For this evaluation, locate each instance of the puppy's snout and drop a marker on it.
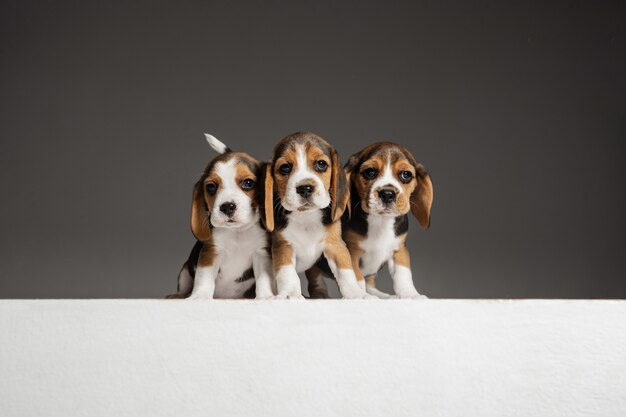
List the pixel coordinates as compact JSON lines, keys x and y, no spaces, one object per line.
{"x":305,"y":190}
{"x":228,"y":208}
{"x":387,"y":195}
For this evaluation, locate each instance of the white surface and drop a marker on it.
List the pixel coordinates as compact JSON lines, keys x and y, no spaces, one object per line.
{"x":306,"y":358}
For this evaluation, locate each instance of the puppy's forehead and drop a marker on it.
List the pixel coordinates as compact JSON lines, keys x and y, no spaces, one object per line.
{"x":237,"y":159}
{"x":386,"y":152}
{"x":306,"y":140}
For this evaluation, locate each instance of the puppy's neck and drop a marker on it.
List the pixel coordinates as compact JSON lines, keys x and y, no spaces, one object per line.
{"x":305,"y":217}
{"x":236,"y":231}
{"x":284,"y":217}
{"x":364,"y":223}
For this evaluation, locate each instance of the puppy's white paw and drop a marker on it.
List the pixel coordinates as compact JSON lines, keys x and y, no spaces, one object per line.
{"x":379,"y":294}
{"x":358,"y":295}
{"x":264,"y":297}
{"x":389,"y":297}
{"x":289,"y":296}
{"x":200,"y":296}
{"x":411,"y":297}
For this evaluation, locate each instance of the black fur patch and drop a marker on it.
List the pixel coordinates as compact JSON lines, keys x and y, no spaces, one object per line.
{"x":401,"y":225}
{"x":322,"y":264}
{"x":192,"y":261}
{"x":358,"y":219}
{"x":250,"y":292}
{"x":280,"y":215}
{"x":247,"y":274}
{"x":327,"y":215}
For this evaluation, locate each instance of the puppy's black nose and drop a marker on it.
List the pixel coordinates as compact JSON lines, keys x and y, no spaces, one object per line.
{"x":305,"y":190}
{"x":387,"y":195}
{"x":228,"y":208}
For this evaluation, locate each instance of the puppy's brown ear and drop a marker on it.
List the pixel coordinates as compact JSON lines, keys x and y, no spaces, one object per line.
{"x":349,"y":170}
{"x":200,"y":217}
{"x":268,"y":194}
{"x":422,"y":196}
{"x":339,"y":190}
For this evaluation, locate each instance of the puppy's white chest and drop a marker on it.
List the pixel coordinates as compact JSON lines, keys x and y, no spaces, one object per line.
{"x":236,"y":250}
{"x":379,"y":245}
{"x":305,"y":232}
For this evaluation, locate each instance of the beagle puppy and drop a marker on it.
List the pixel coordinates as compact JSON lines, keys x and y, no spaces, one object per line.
{"x":305,"y":196}
{"x":231,"y":257}
{"x":386,"y":182}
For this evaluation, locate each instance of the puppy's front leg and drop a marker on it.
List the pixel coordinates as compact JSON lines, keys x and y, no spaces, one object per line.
{"x":317,"y":286}
{"x":206,"y":273}
{"x":340,"y":263}
{"x":400,"y":270}
{"x":204,"y":284}
{"x":287,"y":279}
{"x":370,"y":287}
{"x":264,"y":275}
{"x":368,"y":282}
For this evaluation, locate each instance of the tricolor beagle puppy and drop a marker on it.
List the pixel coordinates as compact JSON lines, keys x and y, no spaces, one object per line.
{"x":231,"y":258}
{"x":305,"y":196}
{"x":385,"y":183}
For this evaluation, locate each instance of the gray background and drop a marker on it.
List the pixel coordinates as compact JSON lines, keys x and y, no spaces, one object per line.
{"x":518,"y":111}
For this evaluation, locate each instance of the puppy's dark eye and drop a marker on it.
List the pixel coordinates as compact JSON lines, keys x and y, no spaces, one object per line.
{"x":247,"y":184}
{"x":284,"y":169}
{"x":211,"y":188}
{"x":369,"y":173}
{"x":320,"y":165}
{"x":406,"y":176}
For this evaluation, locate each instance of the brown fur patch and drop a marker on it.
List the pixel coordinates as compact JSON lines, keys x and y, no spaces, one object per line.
{"x":335,"y":248}
{"x":353,"y":241}
{"x":200,"y":217}
{"x":282,"y":252}
{"x":402,"y":256}
{"x":370,"y":281}
{"x":207,"y":255}
{"x":280,"y":181}
{"x":268,"y":204}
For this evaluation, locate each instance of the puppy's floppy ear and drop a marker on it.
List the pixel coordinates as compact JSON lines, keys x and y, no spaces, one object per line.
{"x":339,"y":190}
{"x":268,"y":197}
{"x":352,"y":163}
{"x":349,"y":171}
{"x":422,"y":196}
{"x":200,"y":217}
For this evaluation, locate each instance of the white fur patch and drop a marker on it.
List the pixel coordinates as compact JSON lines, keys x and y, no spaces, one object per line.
{"x":348,"y":285}
{"x":379,"y":244}
{"x":264,"y":278}
{"x":217,"y":145}
{"x":378,"y":247}
{"x":403,"y":282}
{"x":288,"y":283}
{"x":386,"y":180}
{"x":237,"y":250}
{"x":305,"y":232}
{"x":204,"y":284}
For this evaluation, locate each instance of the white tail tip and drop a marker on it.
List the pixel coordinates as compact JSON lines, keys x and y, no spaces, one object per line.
{"x":216,"y":144}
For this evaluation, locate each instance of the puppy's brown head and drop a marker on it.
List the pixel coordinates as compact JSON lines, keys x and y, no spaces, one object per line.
{"x":304,"y":174}
{"x":227,"y":194}
{"x":388,"y":181}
